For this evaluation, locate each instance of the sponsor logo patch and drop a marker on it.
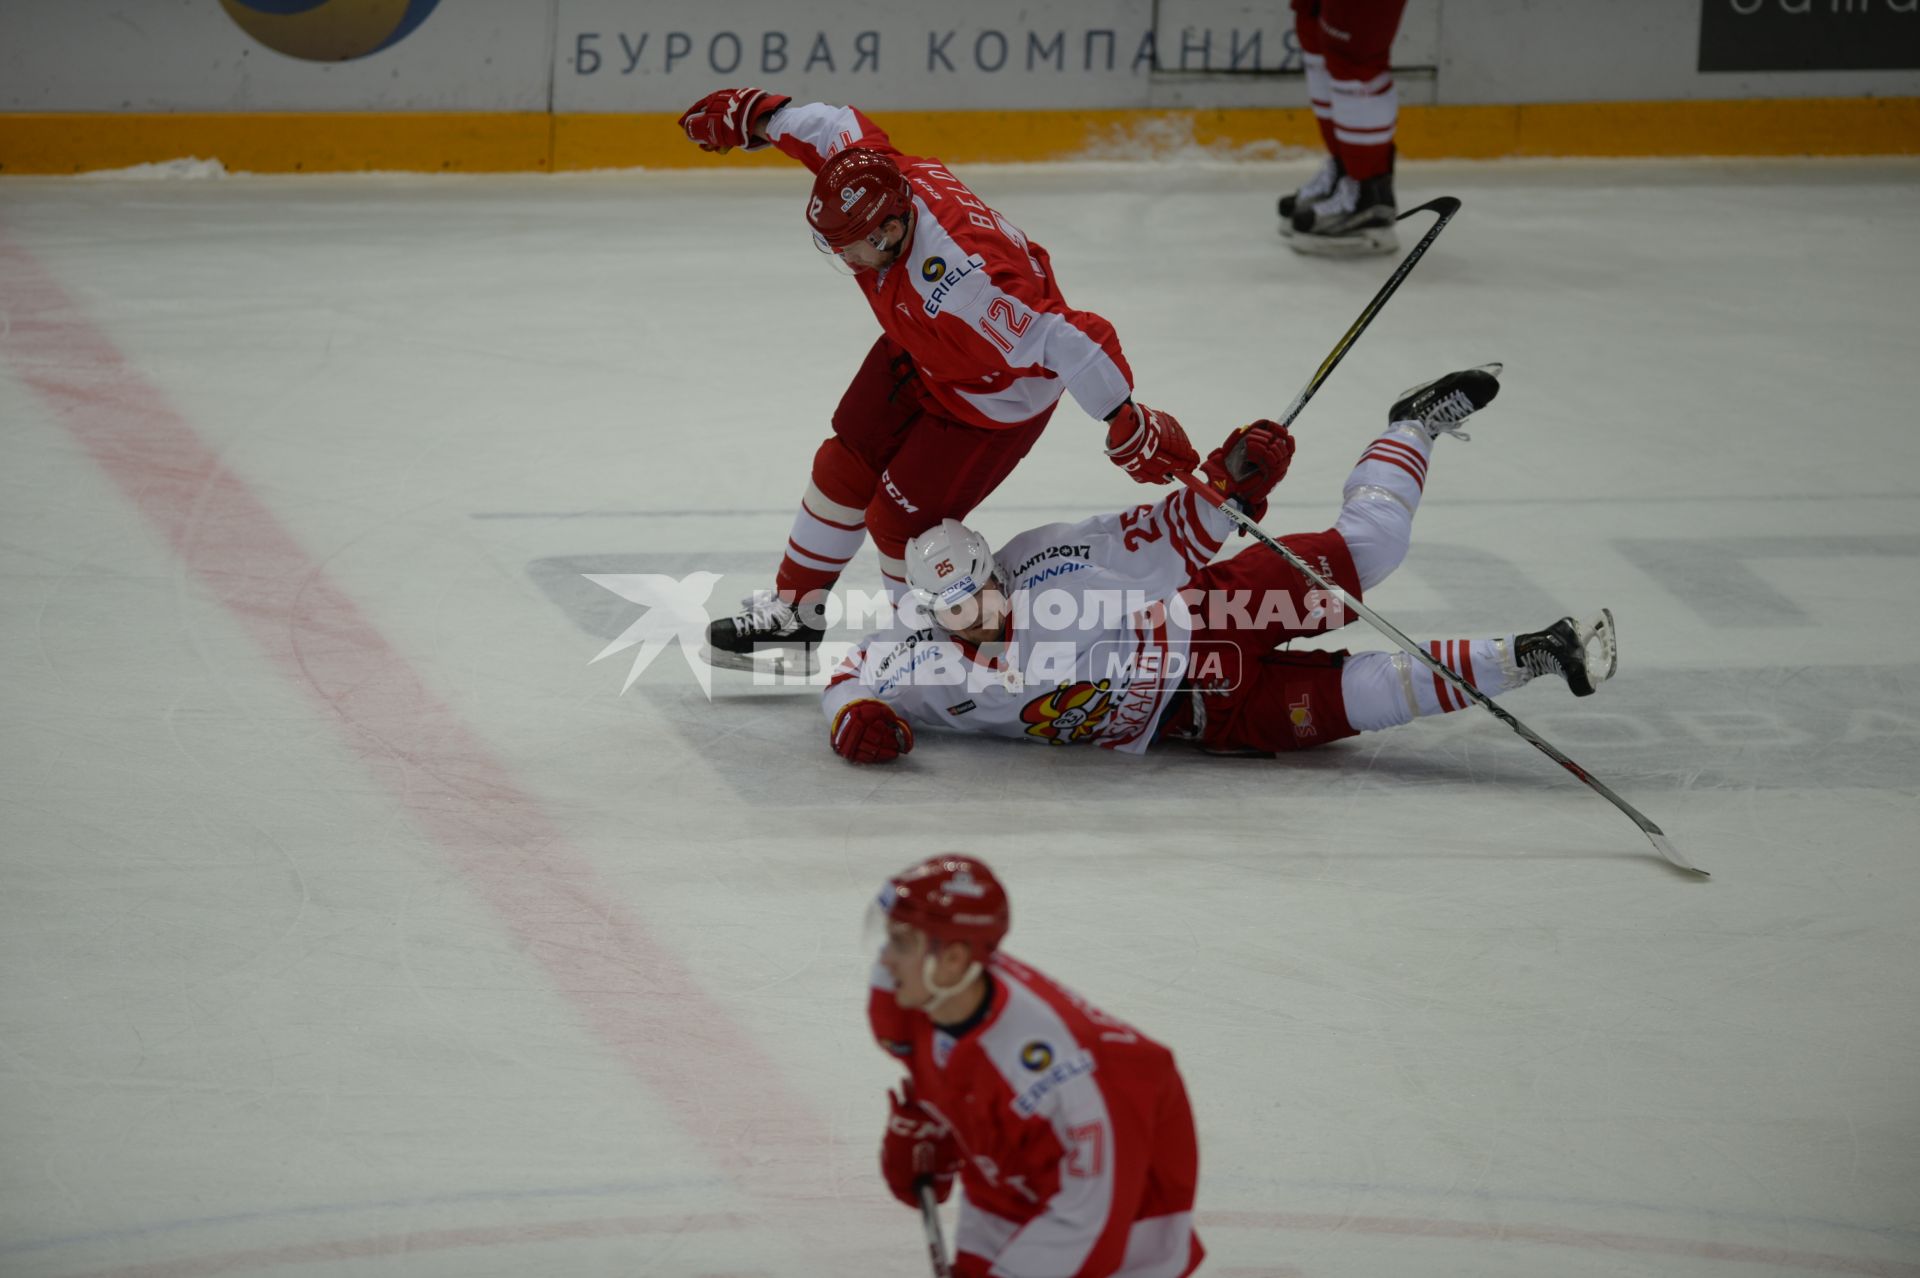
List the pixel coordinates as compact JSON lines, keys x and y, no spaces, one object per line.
{"x":948,"y":279}
{"x":1301,"y":714}
{"x":954,"y":592}
{"x":1027,"y":1103}
{"x":1036,"y":1056}
{"x":933,"y":268}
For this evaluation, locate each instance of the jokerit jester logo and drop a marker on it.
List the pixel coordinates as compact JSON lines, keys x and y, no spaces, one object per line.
{"x":328,"y":30}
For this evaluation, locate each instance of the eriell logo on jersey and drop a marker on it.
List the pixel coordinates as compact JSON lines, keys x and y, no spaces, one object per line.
{"x":947,"y":279}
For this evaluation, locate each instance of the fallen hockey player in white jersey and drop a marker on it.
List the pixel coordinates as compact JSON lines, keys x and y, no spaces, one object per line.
{"x":1117,"y":631}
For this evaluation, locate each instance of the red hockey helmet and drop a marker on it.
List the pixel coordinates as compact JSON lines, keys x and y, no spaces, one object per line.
{"x":856,"y":191}
{"x":950,"y":898}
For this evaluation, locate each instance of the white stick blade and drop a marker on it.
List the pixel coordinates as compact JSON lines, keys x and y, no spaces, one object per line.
{"x":1673,"y":856}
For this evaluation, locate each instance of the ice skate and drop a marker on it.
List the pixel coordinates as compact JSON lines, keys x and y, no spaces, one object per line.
{"x":1312,"y":191}
{"x":1584,"y":654}
{"x":1354,"y":220}
{"x":1439,"y":406}
{"x":769,"y":635}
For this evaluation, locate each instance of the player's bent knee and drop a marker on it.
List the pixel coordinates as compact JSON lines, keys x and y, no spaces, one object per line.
{"x":1378,"y":530}
{"x":842,"y":474}
{"x":1375,"y":691}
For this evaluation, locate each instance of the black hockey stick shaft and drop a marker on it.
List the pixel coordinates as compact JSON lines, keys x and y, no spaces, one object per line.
{"x":1654,"y":833}
{"x":1446,"y":206}
{"x":930,"y":1219}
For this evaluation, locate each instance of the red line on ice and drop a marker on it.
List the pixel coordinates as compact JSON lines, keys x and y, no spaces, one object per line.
{"x":426,"y":1240}
{"x":638,"y":997}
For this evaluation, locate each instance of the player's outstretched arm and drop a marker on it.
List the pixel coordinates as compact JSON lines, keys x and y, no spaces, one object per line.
{"x":751,"y":119}
{"x":1158,"y":548}
{"x":729,"y":118}
{"x":862,"y":725}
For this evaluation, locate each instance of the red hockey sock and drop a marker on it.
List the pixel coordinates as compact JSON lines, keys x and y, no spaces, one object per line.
{"x":831,"y":524}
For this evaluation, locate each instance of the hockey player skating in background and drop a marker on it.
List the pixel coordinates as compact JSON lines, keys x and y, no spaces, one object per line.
{"x":1069,"y":1130}
{"x":1117,"y":632}
{"x":977,"y":346}
{"x":1347,"y":208}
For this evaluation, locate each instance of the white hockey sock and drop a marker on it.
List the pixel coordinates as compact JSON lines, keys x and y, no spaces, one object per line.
{"x":1319,"y":85}
{"x":1364,"y":115}
{"x":1387,"y":689}
{"x":825,"y":534}
{"x":1379,"y":498}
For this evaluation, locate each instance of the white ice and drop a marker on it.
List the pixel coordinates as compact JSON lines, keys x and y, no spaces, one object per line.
{"x":354,"y":923}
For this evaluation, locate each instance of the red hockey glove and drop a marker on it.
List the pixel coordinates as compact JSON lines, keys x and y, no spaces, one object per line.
{"x":868,"y":731}
{"x":1149,"y":444}
{"x":918,"y":1146}
{"x":1249,"y":464}
{"x":723,"y":120}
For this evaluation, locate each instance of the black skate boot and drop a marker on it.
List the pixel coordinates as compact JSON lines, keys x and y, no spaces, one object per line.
{"x":1312,"y":191}
{"x":1439,"y":406}
{"x":769,"y":635}
{"x":1355,"y":219}
{"x":1585,"y":655}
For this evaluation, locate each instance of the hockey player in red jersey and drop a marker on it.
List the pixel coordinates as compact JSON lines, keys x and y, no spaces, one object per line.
{"x":977,"y":345}
{"x":1068,"y":1129}
{"x":1347,"y":208}
{"x":1117,"y":631}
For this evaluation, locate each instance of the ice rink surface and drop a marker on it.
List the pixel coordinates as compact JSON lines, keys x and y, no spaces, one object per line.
{"x":355,"y":924}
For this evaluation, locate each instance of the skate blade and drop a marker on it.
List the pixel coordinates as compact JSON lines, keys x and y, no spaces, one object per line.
{"x":780,"y":663}
{"x":1371,"y":242}
{"x":1602,"y":647}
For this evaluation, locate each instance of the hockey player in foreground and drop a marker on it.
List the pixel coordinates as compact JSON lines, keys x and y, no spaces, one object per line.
{"x":977,"y":345}
{"x":1116,"y":631}
{"x":1069,"y":1130}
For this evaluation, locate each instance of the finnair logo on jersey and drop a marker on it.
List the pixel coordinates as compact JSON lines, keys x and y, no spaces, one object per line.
{"x":675,"y":613}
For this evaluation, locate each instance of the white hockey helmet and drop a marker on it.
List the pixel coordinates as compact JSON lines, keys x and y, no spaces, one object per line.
{"x":948,"y":564}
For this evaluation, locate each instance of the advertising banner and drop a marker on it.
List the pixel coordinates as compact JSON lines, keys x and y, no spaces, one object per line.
{"x":1809,"y":35}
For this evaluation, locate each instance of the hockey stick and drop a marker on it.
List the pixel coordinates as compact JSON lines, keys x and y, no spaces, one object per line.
{"x":1653,"y":832}
{"x":930,"y":1218}
{"x":1446,"y":206}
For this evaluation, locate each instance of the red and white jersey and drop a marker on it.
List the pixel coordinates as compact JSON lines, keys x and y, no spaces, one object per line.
{"x":1097,"y":646}
{"x":1077,"y":1142}
{"x":971,"y":298}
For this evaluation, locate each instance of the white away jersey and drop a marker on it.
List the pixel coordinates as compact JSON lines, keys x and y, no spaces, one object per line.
{"x":1097,"y":647}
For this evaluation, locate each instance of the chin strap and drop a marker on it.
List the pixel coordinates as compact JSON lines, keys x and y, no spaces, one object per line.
{"x":941,"y":993}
